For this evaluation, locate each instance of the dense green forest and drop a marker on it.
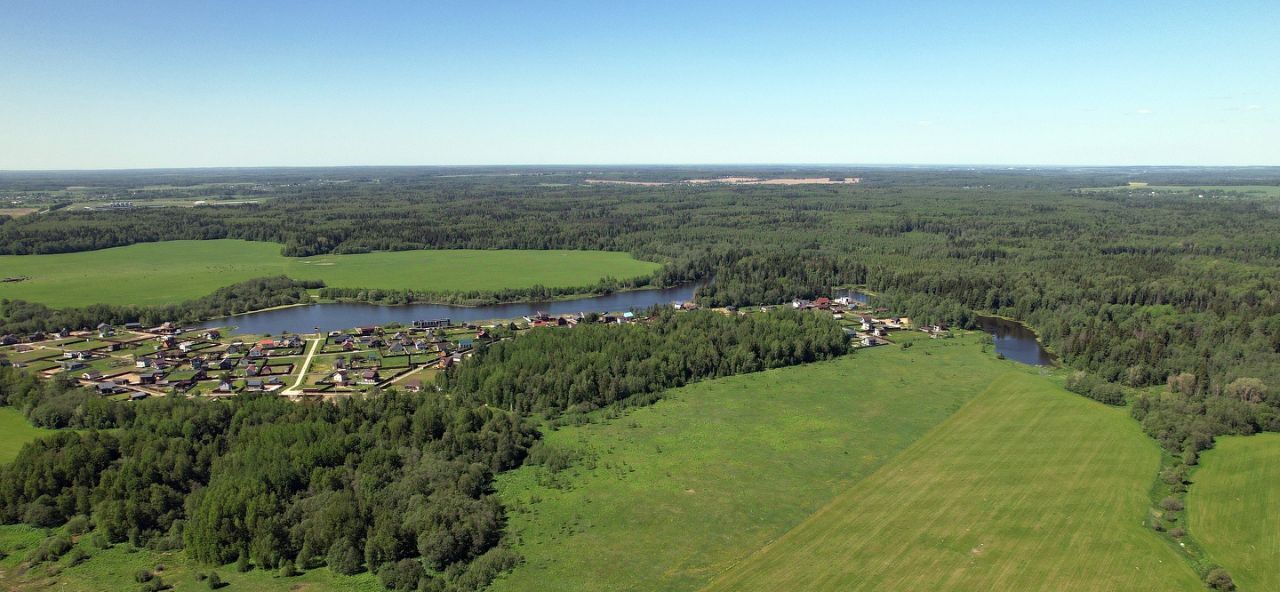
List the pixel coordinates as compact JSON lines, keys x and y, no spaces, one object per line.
{"x":550,"y":371}
{"x":397,"y":484}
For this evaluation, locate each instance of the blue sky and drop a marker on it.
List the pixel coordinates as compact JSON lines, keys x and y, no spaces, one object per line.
{"x":168,"y":84}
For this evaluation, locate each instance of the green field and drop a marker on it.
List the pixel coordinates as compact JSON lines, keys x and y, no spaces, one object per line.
{"x":170,"y":272}
{"x":1028,"y":487}
{"x":686,"y":488}
{"x":14,"y":432}
{"x":114,"y":569}
{"x":1232,"y":508}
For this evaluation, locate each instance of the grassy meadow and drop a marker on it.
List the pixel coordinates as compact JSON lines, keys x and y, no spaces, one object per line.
{"x":115,"y":569}
{"x":1231,"y":508}
{"x":1028,"y":487}
{"x":174,"y":271}
{"x":670,"y":495}
{"x":15,"y":431}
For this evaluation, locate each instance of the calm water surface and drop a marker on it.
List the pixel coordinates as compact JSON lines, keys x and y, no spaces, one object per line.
{"x":343,"y":315}
{"x":1015,"y":341}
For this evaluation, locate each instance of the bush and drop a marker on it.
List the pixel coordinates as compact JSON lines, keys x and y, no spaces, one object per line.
{"x":1219,"y":579}
{"x":242,"y":563}
{"x":143,"y":576}
{"x":288,"y":570}
{"x":214,"y":581}
{"x":51,"y":549}
{"x":76,"y":557}
{"x":1178,"y":533}
{"x":78,"y":524}
{"x":100,"y":541}
{"x":1106,"y":392}
{"x":1171,"y":504}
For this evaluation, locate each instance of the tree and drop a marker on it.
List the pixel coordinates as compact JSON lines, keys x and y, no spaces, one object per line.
{"x":343,"y":557}
{"x":1249,"y":390}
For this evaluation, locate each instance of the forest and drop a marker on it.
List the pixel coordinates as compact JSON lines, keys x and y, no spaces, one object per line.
{"x":396,"y":484}
{"x":550,"y":371}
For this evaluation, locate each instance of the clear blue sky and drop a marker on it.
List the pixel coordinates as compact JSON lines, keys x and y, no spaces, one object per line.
{"x":166,"y":84}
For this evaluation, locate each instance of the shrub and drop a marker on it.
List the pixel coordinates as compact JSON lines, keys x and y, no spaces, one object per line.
{"x":76,"y":557}
{"x":1178,"y":533}
{"x":51,"y":549}
{"x":214,"y":581}
{"x":1106,"y":392}
{"x":143,"y":576}
{"x":288,"y":570}
{"x":1219,"y":579}
{"x":242,"y":563}
{"x":1171,"y":504}
{"x":78,"y":524}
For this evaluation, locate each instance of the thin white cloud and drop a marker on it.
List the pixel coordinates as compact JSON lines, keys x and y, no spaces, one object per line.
{"x":1143,"y":111}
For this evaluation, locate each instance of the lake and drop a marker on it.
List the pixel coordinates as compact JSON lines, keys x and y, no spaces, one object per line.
{"x":1016,"y":341}
{"x":345,"y":315}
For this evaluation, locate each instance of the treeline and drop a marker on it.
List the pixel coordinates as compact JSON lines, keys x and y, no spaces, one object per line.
{"x":552,"y":371}
{"x":397,"y":484}
{"x":20,"y":316}
{"x":536,"y":293}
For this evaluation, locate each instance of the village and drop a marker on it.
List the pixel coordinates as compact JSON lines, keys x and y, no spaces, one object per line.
{"x":132,"y":362}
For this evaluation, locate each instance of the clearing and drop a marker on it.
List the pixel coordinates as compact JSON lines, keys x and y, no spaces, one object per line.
{"x":175,"y":271}
{"x":15,"y":431}
{"x":115,"y":568}
{"x":1028,"y":487}
{"x":671,"y":494}
{"x":1231,"y":508}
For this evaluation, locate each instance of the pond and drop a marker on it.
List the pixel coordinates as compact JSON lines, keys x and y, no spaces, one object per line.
{"x":344,"y":315}
{"x":1016,"y":341}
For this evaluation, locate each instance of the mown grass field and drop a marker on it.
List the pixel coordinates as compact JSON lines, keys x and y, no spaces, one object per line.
{"x":115,"y":568}
{"x":14,"y":432}
{"x":1232,"y":508}
{"x":680,"y":491}
{"x":174,"y":271}
{"x":1028,"y":487}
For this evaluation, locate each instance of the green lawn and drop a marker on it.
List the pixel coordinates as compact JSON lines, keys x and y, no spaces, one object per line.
{"x":168,"y":272}
{"x":1028,"y":487}
{"x":1232,"y":508}
{"x":682,"y":490}
{"x":14,"y":432}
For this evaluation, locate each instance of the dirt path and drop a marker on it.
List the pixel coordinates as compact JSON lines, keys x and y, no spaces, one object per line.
{"x":314,"y":345}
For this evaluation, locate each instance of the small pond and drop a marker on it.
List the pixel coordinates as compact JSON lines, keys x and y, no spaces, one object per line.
{"x":1016,"y":341}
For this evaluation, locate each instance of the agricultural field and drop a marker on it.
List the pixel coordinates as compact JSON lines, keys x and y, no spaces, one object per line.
{"x":1231,"y":508}
{"x":666,"y":497}
{"x":175,"y":271}
{"x":15,"y":431}
{"x":1028,"y":487}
